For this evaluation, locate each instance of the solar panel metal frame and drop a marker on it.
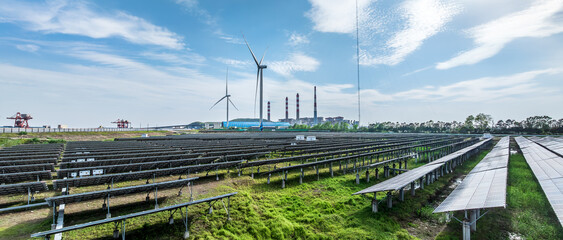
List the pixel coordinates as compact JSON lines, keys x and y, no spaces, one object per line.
{"x":132,"y":215}
{"x":406,"y":178}
{"x":87,"y":196}
{"x":117,"y":177}
{"x":24,"y":176}
{"x":107,"y":169}
{"x":18,"y":188}
{"x":27,"y":168}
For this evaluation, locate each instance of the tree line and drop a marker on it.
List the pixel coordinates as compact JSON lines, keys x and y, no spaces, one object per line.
{"x":480,"y":123}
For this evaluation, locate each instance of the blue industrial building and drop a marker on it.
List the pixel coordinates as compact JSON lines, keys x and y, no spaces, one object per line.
{"x":256,"y":124}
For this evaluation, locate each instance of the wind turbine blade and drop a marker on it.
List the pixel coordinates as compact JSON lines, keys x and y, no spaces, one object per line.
{"x":227,"y":83}
{"x":256,"y":92}
{"x":251,"y":52}
{"x":263,"y":56}
{"x":218,"y":102}
{"x":233,"y":104}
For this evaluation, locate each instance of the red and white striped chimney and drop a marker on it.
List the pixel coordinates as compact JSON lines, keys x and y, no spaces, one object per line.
{"x":286,"y":108}
{"x":297,"y":111}
{"x":268,"y":111}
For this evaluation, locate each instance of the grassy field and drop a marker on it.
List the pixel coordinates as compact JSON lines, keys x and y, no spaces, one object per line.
{"x":323,"y":209}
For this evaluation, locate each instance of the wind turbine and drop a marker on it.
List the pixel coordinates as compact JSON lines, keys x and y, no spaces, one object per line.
{"x":259,"y":79}
{"x":227,"y":96}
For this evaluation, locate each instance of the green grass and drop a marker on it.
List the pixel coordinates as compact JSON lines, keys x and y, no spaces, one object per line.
{"x":324,"y":209}
{"x":528,"y":213}
{"x":9,"y":142}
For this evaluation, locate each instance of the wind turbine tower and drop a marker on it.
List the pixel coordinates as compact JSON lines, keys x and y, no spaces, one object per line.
{"x":227,"y":96}
{"x":259,"y":81}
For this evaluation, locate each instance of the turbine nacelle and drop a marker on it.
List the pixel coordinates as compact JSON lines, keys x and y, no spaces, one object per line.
{"x":263,"y":66}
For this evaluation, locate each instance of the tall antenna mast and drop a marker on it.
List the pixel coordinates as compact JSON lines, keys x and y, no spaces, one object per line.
{"x":358,"y":60}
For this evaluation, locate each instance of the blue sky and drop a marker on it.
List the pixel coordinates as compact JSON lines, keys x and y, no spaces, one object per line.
{"x":87,"y":63}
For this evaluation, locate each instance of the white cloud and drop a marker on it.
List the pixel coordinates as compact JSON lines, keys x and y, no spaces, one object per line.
{"x":28,"y":47}
{"x":297,"y":62}
{"x":336,"y":16}
{"x":542,"y":19}
{"x":177,"y":59}
{"x":80,"y":18}
{"x":424,"y":18}
{"x":482,"y":89}
{"x":233,"y":62}
{"x":297,"y":39}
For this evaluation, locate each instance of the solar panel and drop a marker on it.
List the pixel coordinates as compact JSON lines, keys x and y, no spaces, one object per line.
{"x":88,"y":171}
{"x":484,"y":186}
{"x":24,"y":176}
{"x":548,"y":169}
{"x":28,"y":161}
{"x":406,"y":178}
{"x":89,"y":162}
{"x":108,"y":178}
{"x":6,"y":189}
{"x":132,"y":215}
{"x":27,"y":168}
{"x":116,"y":192}
{"x":485,"y":189}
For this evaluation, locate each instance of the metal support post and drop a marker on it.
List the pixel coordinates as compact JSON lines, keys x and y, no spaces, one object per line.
{"x":108,"y":215}
{"x":389,"y":200}
{"x":374,"y":203}
{"x":301,"y":176}
{"x":473,"y":220}
{"x":402,"y":194}
{"x":422,"y":183}
{"x":357,"y":176}
{"x":367,"y":175}
{"x":412,"y":188}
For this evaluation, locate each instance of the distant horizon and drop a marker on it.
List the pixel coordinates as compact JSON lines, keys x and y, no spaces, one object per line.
{"x":87,"y":63}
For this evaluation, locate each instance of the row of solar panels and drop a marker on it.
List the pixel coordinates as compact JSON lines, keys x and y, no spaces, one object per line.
{"x":551,"y":143}
{"x":401,"y":150}
{"x":377,"y":149}
{"x":548,"y":169}
{"x":483,"y":187}
{"x":406,"y":178}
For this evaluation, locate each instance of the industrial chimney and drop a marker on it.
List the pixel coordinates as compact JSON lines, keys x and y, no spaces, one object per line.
{"x":286,"y":109}
{"x":268,"y":111}
{"x":315,"y":109}
{"x":297,"y":111}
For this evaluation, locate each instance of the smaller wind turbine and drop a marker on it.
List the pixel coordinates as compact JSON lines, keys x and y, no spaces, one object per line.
{"x":227,"y":96}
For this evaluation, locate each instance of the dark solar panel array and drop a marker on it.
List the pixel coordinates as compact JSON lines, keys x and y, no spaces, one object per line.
{"x":106,"y":169}
{"x":79,"y":197}
{"x":24,"y":176}
{"x":108,"y":178}
{"x":132,"y":215}
{"x":27,"y":168}
{"x":20,"y":188}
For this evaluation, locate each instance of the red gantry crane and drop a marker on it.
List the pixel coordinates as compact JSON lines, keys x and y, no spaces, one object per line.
{"x":21,"y":120}
{"x":122,"y":123}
